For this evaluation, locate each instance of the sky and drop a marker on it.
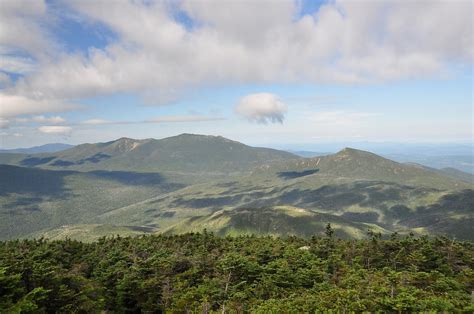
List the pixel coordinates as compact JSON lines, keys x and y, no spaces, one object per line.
{"x":269,"y":73}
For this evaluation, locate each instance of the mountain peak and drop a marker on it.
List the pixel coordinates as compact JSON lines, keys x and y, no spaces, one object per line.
{"x":201,"y":137}
{"x":193,"y":135}
{"x":348,"y":151}
{"x":125,"y":144}
{"x":352,"y":154}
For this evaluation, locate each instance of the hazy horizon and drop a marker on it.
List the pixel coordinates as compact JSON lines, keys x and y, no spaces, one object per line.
{"x":331,"y":146}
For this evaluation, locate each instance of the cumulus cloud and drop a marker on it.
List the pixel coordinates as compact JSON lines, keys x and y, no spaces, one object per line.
{"x":15,"y":105}
{"x":55,"y":129}
{"x":23,"y":31}
{"x":16,"y":64}
{"x":162,"y":119}
{"x":42,"y":119}
{"x":261,"y":108}
{"x":250,"y":41}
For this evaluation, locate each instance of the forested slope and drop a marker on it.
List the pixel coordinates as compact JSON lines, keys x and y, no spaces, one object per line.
{"x":205,"y":273}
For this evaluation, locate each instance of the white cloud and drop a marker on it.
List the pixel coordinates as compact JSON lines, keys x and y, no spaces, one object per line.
{"x":16,"y":64}
{"x":234,"y":42}
{"x":22,"y":27}
{"x":55,"y":129}
{"x":4,"y":123}
{"x":15,"y":105}
{"x":96,"y":122}
{"x":42,"y":119}
{"x":162,"y":119}
{"x":261,"y":108}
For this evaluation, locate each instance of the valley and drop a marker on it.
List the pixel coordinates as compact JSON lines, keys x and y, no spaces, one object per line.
{"x":189,"y":182}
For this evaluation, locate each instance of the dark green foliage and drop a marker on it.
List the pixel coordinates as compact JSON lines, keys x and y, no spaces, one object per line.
{"x":190,"y":182}
{"x":206,"y":273}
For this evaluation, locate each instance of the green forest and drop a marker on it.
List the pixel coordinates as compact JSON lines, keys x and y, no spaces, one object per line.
{"x":206,"y":273}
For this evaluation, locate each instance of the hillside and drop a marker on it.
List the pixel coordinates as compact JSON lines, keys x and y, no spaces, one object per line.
{"x":361,"y":165}
{"x":228,"y":187}
{"x":182,"y":154}
{"x":36,"y":199}
{"x":276,"y":221}
{"x":447,"y":172}
{"x":382,"y":205}
{"x":90,"y":232}
{"x":458,"y":174}
{"x":337,"y":190}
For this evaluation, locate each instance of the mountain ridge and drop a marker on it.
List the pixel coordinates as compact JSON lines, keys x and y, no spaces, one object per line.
{"x":165,"y":185}
{"x":46,"y":148}
{"x":184,"y":152}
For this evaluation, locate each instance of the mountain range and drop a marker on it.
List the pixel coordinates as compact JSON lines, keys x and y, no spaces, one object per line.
{"x":47,"y":148}
{"x":190,"y":182}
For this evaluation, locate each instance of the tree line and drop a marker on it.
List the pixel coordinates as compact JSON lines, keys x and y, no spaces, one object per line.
{"x":201,"y":272}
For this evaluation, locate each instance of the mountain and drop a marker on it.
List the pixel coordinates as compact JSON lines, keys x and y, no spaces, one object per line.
{"x":464,"y":162}
{"x":354,"y":185}
{"x":448,"y":172}
{"x":349,"y":164}
{"x":191,"y":182}
{"x":185,"y":154}
{"x":47,"y":148}
{"x":458,"y":174}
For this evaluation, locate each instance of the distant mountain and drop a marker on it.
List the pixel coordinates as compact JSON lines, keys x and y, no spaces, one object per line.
{"x":185,"y":153}
{"x":458,"y":174}
{"x":47,"y":148}
{"x":352,"y":164}
{"x":463,"y":163}
{"x":191,"y":182}
{"x":448,"y":172}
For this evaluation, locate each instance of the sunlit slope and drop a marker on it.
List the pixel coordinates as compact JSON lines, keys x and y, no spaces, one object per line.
{"x":276,"y":221}
{"x":391,"y":206}
{"x":90,"y":232}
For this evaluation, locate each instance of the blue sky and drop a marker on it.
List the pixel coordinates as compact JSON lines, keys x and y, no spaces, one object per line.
{"x":286,"y":73}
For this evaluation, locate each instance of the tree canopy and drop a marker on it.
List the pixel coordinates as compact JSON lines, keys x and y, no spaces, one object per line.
{"x":201,"y":272}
